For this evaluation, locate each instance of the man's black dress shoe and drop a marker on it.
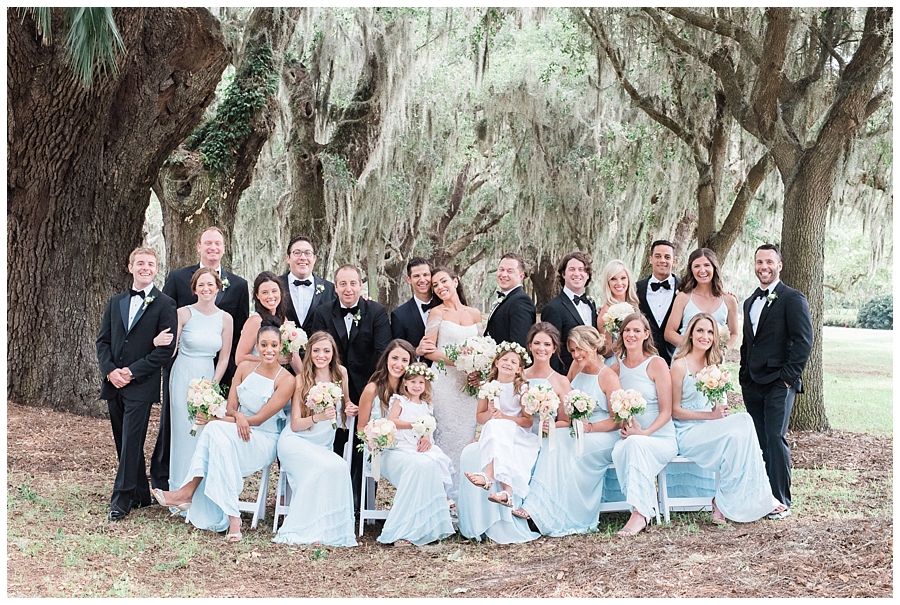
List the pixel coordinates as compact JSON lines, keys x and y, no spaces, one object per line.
{"x":117,"y":515}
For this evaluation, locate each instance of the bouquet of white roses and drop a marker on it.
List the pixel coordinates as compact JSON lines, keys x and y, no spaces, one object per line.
{"x":491,"y":391}
{"x":714,"y":381}
{"x":626,"y":404}
{"x":378,"y":435}
{"x":475,"y":354}
{"x":424,"y":425}
{"x":293,"y":339}
{"x":612,"y":319}
{"x":204,"y":399}
{"x":579,"y":406}
{"x":322,"y":396}
{"x":543,"y":402}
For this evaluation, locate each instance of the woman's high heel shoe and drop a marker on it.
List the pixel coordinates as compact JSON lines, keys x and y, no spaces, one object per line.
{"x":176,"y":509}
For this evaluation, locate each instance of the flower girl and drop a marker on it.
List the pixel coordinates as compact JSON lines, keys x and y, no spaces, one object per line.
{"x":508,"y":447}
{"x":413,"y":415}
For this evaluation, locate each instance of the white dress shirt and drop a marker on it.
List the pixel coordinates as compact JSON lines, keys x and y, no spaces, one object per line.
{"x":423,"y":314}
{"x":660,"y":301}
{"x":302,"y":296}
{"x":584,"y":309}
{"x":758,"y":304}
{"x":136,"y":303}
{"x":348,"y":318}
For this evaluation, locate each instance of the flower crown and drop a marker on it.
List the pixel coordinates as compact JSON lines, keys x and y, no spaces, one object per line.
{"x":505,"y":347}
{"x":420,"y":370}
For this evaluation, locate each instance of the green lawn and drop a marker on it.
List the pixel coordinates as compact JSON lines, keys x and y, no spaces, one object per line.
{"x":859,"y":379}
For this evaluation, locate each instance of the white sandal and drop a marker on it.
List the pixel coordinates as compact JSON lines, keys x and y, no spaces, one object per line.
{"x":495,"y":498}
{"x":487,"y":484}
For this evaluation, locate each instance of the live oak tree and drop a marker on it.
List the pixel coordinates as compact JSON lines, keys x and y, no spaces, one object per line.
{"x":79,"y":167}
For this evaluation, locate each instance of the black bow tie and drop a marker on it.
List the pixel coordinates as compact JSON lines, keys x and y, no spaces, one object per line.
{"x":500,"y":295}
{"x":351,"y":311}
{"x":581,"y":299}
{"x":137,"y":293}
{"x":760,"y":293}
{"x":431,"y":304}
{"x":661,"y":284}
{"x":302,"y":282}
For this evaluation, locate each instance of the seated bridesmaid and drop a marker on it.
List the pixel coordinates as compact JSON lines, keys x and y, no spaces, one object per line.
{"x":420,"y":512}
{"x":228,"y":449}
{"x":566,"y":491}
{"x":322,"y":508}
{"x":712,"y":438}
{"x":648,"y":439}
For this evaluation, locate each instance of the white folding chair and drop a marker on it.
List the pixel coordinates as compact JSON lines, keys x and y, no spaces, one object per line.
{"x":367,"y":511}
{"x":258,"y":507}
{"x":670,"y":503}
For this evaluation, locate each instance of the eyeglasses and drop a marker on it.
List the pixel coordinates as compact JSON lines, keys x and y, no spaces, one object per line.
{"x":300,"y":253}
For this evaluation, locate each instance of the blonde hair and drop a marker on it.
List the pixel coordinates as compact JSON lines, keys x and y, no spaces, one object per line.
{"x":519,"y":381}
{"x":306,"y":378}
{"x":429,"y":391}
{"x":614,"y":267}
{"x":714,"y":353}
{"x":141,"y":250}
{"x":586,"y":338}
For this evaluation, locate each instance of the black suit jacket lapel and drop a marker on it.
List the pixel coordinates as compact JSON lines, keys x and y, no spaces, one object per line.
{"x":291,"y":309}
{"x":124,"y":305}
{"x":355,"y":325}
{"x":340,"y":328}
{"x":748,"y":326}
{"x":317,"y":295}
{"x":766,"y":306}
{"x":140,"y":313}
{"x":570,"y":306}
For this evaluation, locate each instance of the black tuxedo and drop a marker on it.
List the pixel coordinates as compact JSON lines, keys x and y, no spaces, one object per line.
{"x":770,"y":359}
{"x":562,"y":313}
{"x":359,"y":351}
{"x":323,"y":294}
{"x":665,"y":349}
{"x":119,"y":346}
{"x":406,"y":323}
{"x":512,"y":318}
{"x":234,"y":300}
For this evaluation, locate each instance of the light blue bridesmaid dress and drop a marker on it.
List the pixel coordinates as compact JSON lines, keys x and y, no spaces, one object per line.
{"x":420,"y":512}
{"x":727,"y":445}
{"x":223,"y":459}
{"x":566,"y":491}
{"x":201,"y":339}
{"x":322,"y":503}
{"x":639,"y":458}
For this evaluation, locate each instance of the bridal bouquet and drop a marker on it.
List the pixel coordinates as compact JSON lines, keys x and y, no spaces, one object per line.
{"x":714,"y":381}
{"x":491,"y":391}
{"x":204,"y":399}
{"x":293,"y":339}
{"x":322,"y":396}
{"x":543,"y":402}
{"x":474,"y":355}
{"x":612,"y":319}
{"x":424,"y":426}
{"x":626,"y":404}
{"x":378,"y":435}
{"x":579,"y":406}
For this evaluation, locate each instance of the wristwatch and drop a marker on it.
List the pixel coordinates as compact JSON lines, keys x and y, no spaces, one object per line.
{"x":130,"y":375}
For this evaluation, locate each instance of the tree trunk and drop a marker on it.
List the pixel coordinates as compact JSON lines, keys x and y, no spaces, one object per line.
{"x":543,"y":280}
{"x":80,"y":164}
{"x":203,"y":180}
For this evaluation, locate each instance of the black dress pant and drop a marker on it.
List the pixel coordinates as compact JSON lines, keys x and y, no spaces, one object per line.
{"x":770,"y":405}
{"x":129,"y":421}
{"x":159,"y":461}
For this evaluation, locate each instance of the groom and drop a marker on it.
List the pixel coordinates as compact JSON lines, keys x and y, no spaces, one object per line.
{"x":131,"y":364}
{"x":776,"y":345}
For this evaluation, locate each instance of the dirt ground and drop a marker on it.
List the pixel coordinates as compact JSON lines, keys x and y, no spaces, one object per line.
{"x":59,"y":543}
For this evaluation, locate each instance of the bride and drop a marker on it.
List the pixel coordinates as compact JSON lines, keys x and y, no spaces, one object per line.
{"x":451,"y":322}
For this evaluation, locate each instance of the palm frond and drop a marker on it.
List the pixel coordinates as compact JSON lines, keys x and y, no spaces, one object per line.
{"x":93,"y":42}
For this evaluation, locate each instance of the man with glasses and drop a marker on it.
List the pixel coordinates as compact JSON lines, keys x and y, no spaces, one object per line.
{"x":307,"y":291}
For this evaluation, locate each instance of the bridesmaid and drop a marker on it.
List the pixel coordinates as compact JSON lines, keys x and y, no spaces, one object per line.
{"x":268,"y":302}
{"x":322,"y":510}
{"x":420,"y":512}
{"x":702,"y":291}
{"x":648,"y":440}
{"x":566,"y":491}
{"x":617,"y":286}
{"x":228,"y":449}
{"x":712,"y":438}
{"x":203,"y":331}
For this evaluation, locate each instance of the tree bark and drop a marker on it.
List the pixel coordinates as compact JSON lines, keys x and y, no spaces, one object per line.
{"x":79,"y":166}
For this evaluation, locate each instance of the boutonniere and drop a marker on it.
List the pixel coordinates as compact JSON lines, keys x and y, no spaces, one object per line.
{"x":357,"y":316}
{"x":147,"y":301}
{"x":225,"y":284}
{"x":771,"y":298}
{"x":591,"y":300}
{"x":320,"y":288}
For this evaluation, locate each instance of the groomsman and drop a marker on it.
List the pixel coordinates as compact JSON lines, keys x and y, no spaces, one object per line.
{"x":306,"y":291}
{"x":408,"y":321}
{"x":656,"y":293}
{"x":362,"y":331}
{"x":775,"y":348}
{"x":572,"y":307}
{"x":512,"y":312}
{"x":131,"y":364}
{"x":234,"y":298}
